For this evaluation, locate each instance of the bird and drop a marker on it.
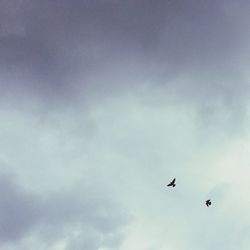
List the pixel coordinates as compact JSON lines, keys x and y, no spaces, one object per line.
{"x":208,"y":203}
{"x":172,"y":183}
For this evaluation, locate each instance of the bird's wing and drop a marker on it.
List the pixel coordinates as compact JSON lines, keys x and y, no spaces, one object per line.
{"x":171,"y":183}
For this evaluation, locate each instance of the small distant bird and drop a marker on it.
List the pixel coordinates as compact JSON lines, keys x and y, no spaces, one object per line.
{"x":208,"y":203}
{"x":172,"y":183}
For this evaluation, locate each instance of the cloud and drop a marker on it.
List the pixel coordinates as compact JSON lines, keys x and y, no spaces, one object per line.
{"x":98,"y":180}
{"x":196,"y":49}
{"x":102,"y":102}
{"x":72,"y":218}
{"x":18,"y":211}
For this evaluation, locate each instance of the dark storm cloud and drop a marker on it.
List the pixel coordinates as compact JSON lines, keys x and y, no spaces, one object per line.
{"x":63,"y":38}
{"x":53,"y":215}
{"x":47,"y":46}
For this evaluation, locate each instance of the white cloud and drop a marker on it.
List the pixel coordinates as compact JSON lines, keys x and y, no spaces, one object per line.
{"x":126,"y":155}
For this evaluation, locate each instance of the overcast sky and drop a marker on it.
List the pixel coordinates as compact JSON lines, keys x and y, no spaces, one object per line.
{"x":102,"y":103}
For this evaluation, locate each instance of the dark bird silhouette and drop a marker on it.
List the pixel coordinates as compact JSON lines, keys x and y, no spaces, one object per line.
{"x":172,"y":183}
{"x":208,"y":203}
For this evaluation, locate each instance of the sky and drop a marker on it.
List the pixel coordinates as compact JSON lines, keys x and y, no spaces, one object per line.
{"x":103,"y":103}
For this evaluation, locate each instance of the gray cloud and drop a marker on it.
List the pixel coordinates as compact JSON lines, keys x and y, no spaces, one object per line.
{"x":18,"y":211}
{"x":81,"y":217}
{"x":66,"y":44}
{"x":102,"y":102}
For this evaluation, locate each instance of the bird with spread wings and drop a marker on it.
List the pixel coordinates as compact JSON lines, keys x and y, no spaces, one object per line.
{"x":172,"y":183}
